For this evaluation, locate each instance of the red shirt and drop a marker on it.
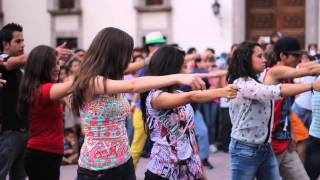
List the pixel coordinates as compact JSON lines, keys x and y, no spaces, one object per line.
{"x":278,"y":145}
{"x":46,"y":122}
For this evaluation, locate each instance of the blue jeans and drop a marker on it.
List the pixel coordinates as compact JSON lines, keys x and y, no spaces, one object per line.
{"x":12,"y":148}
{"x":201,"y":132}
{"x":249,"y":161}
{"x":209,"y":111}
{"x":129,"y":126}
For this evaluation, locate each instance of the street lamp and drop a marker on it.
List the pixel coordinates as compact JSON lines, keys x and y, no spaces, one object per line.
{"x":216,"y":8}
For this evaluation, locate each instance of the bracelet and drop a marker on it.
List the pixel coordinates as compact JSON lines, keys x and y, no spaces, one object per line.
{"x":311,"y":88}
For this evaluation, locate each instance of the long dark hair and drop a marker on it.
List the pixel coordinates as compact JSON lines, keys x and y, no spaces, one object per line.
{"x":167,"y":60}
{"x":241,"y":62}
{"x":108,"y":55}
{"x":41,"y":61}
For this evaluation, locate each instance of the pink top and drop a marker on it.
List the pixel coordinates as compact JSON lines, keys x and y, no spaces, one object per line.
{"x":106,"y":143}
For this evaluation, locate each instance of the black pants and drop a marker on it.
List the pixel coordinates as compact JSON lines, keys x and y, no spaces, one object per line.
{"x":312,"y":162}
{"x":150,"y":176}
{"x":41,"y":165}
{"x":123,"y":172}
{"x":225,"y":127}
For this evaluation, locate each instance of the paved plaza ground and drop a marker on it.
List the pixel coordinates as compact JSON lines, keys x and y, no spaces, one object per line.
{"x":220,"y":161}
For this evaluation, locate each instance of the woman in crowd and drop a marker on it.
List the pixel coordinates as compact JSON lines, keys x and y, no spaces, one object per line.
{"x":71,"y":121}
{"x":252,"y":114}
{"x":99,"y":100}
{"x":170,"y":120}
{"x":39,"y":102}
{"x":312,"y":161}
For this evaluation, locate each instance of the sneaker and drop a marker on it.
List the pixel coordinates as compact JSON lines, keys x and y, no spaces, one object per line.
{"x":207,"y":164}
{"x":213,"y":148}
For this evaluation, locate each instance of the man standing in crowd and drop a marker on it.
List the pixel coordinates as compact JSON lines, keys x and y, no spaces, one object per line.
{"x":13,"y":129}
{"x":288,"y":54}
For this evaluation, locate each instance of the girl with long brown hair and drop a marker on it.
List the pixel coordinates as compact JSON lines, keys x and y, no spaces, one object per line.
{"x":39,"y":102}
{"x":98,"y":99}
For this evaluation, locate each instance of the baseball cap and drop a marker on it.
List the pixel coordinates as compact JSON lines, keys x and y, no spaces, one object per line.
{"x":287,"y":45}
{"x":155,"y":37}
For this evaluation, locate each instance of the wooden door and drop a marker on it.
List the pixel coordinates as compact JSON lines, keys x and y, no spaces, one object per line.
{"x":263,"y":17}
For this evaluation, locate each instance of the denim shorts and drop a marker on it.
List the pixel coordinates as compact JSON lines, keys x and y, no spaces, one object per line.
{"x":249,"y":161}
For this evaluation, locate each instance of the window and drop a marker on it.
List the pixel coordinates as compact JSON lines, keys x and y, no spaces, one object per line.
{"x":61,"y":7}
{"x":154,"y":2}
{"x":66,"y":4}
{"x":153,"y":5}
{"x":72,"y":42}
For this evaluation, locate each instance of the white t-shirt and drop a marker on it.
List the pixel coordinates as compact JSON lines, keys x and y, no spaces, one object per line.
{"x":304,"y":99}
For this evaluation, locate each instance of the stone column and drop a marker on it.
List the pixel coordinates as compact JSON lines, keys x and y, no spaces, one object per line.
{"x":239,"y":21}
{"x":312,"y":22}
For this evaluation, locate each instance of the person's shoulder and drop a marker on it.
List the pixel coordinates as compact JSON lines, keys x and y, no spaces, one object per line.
{"x":273,"y":74}
{"x":46,"y":85}
{"x":45,"y":89}
{"x":242,"y":79}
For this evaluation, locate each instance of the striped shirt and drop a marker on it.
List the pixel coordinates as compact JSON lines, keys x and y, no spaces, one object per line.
{"x":315,"y":124}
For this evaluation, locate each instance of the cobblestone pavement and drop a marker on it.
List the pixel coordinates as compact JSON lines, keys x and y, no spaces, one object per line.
{"x":220,"y":161}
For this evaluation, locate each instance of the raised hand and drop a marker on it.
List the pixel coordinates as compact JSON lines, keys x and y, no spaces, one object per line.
{"x":63,"y":52}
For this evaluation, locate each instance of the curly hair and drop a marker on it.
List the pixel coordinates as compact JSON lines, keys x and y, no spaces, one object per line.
{"x":241,"y":62}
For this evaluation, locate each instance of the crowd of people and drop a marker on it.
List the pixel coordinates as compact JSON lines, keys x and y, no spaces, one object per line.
{"x":105,"y":107}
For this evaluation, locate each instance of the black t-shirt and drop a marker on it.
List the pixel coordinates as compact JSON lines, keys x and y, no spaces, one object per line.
{"x":9,"y":118}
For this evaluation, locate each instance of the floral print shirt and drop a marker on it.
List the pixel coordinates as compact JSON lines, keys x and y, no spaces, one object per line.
{"x":106,"y":143}
{"x":175,"y":153}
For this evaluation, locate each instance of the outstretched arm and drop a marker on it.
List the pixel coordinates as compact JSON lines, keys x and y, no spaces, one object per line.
{"x":60,"y":90}
{"x":136,"y":66}
{"x":278,"y":73}
{"x":254,"y":90}
{"x":146,"y":83}
{"x":15,"y":62}
{"x":167,"y":100}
